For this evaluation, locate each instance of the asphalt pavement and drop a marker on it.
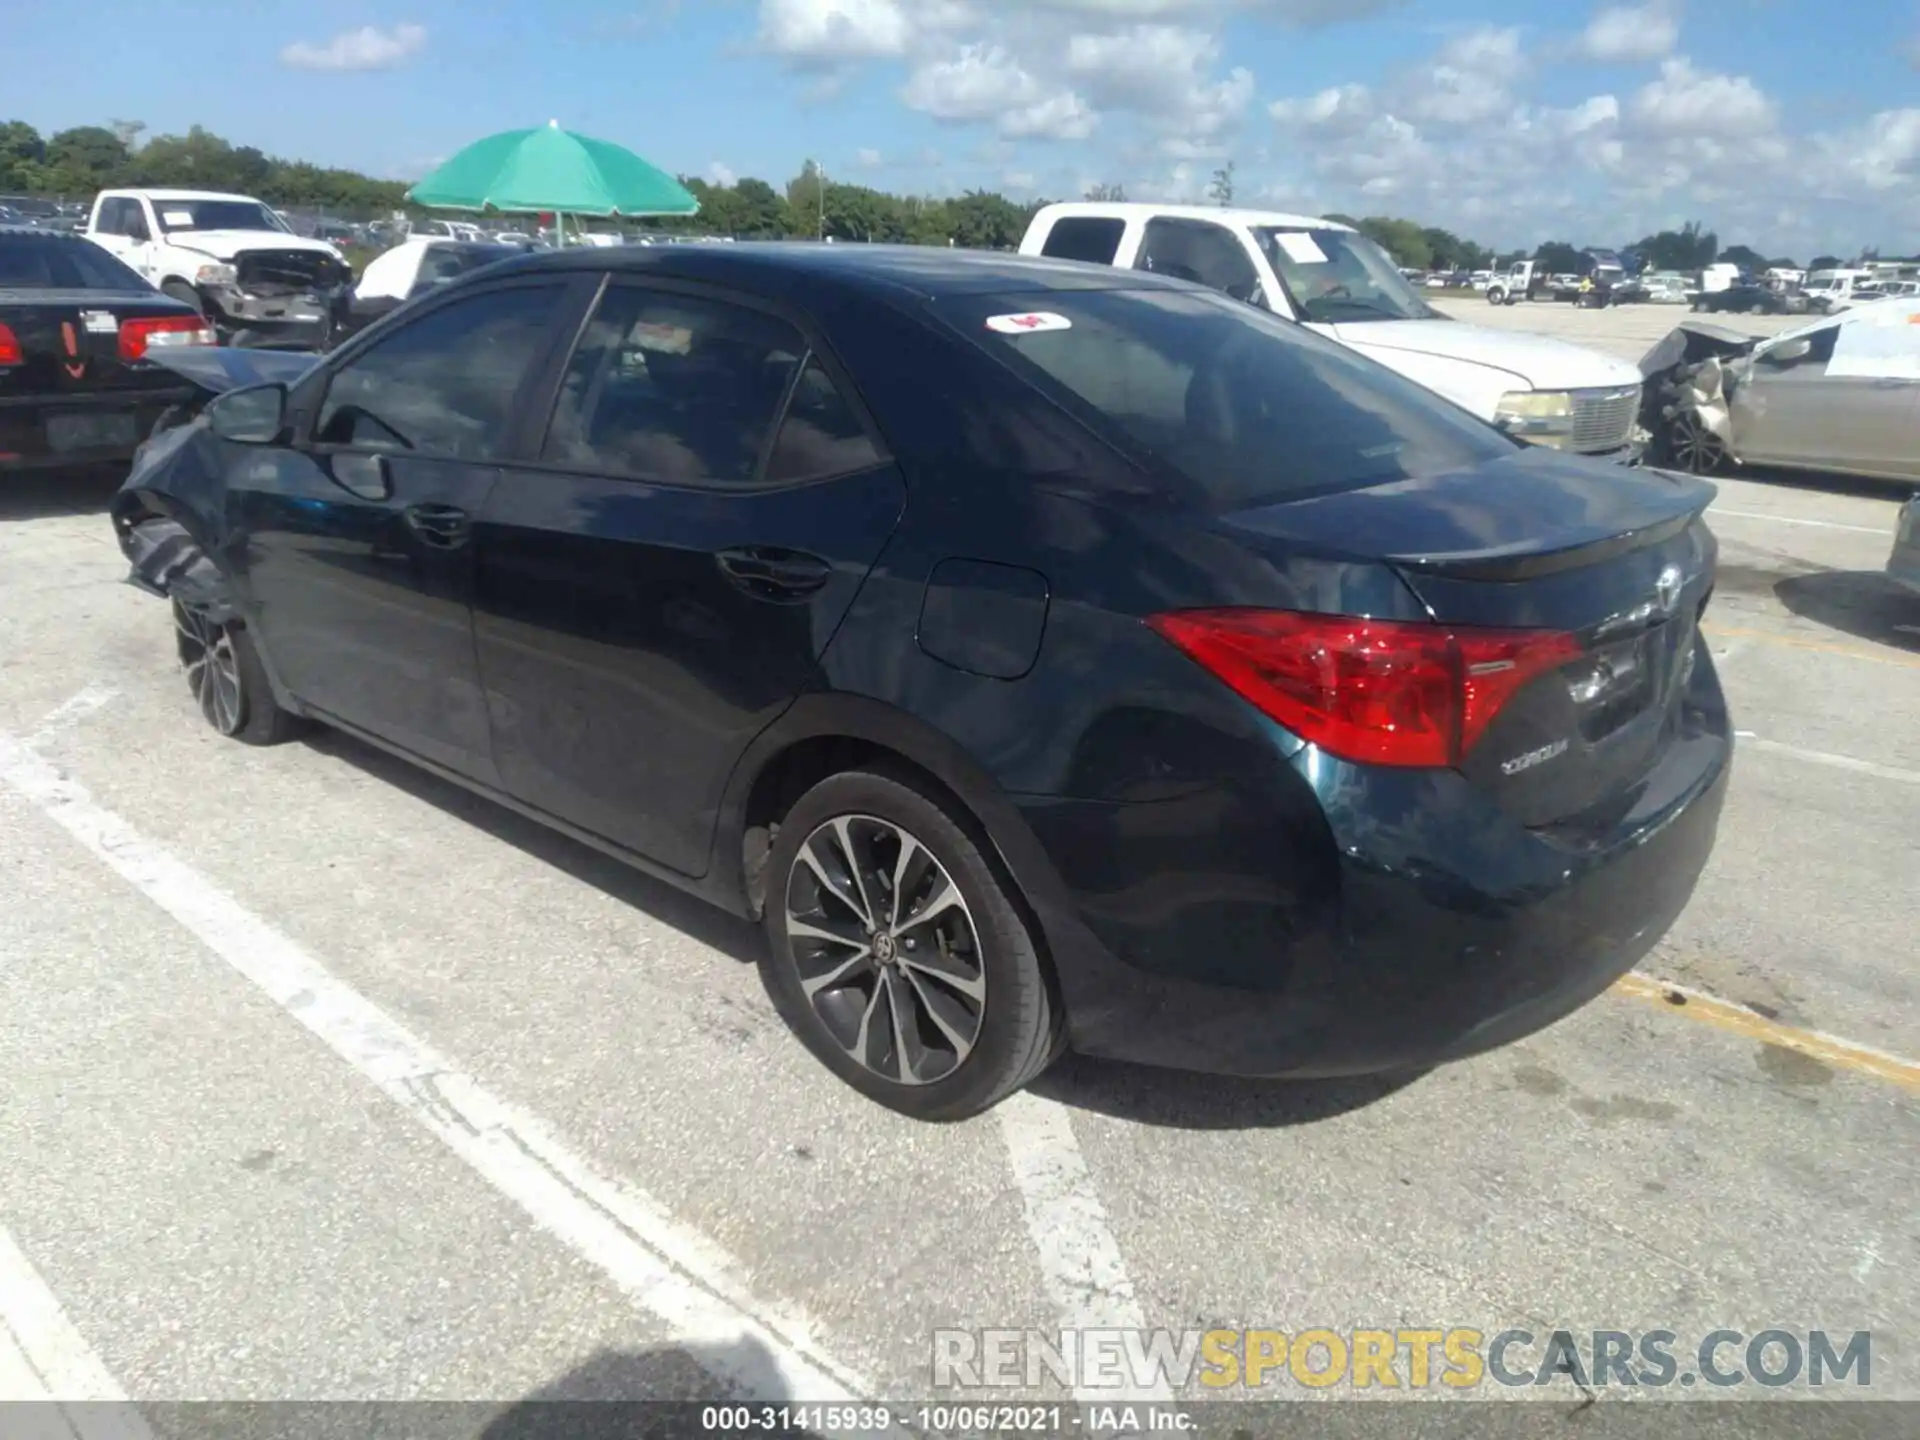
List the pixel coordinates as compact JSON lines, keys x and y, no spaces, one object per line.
{"x":325,"y":1080}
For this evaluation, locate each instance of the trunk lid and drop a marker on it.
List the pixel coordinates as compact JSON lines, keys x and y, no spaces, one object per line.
{"x":1619,"y":559}
{"x":70,"y":342}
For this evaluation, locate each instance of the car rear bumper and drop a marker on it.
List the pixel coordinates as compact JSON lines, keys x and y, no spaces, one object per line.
{"x":31,"y":427}
{"x":1904,"y":564}
{"x":1345,"y":921}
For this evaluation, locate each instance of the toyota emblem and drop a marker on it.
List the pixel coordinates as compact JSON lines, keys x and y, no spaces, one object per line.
{"x":1667,"y":588}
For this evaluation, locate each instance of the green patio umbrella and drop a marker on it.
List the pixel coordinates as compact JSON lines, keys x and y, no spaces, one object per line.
{"x":550,"y":169}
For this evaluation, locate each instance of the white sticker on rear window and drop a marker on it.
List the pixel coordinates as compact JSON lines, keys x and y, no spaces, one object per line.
{"x":100,"y":322}
{"x":176,"y":217}
{"x":1029,"y":324}
{"x":1301,"y":249}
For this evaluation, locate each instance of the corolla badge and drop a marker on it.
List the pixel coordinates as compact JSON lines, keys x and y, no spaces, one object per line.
{"x":1667,"y":588}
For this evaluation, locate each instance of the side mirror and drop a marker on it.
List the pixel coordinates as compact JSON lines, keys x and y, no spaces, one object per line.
{"x":1791,"y":353}
{"x":256,"y":415}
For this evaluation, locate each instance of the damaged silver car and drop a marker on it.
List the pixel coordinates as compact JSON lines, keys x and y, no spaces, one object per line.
{"x":1841,"y":395}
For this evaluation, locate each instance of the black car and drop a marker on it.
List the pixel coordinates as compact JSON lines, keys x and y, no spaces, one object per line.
{"x":78,"y":332}
{"x":1047,"y":654}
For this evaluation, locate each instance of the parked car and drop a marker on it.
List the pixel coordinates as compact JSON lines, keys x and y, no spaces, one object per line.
{"x":78,"y":331}
{"x":1841,"y":395}
{"x":1044,"y":655}
{"x":410,"y":269}
{"x":1904,"y":564}
{"x":231,"y":257}
{"x":1333,"y":279}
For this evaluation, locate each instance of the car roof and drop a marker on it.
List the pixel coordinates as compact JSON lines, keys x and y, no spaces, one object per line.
{"x":797,"y":269}
{"x":1146,"y":210}
{"x":161,"y":194}
{"x":40,"y":232}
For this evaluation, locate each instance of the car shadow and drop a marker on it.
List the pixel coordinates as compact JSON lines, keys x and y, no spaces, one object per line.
{"x":692,"y":917}
{"x":37,"y":494}
{"x":1147,"y":1095}
{"x":1179,"y":1100}
{"x":1866,"y":604}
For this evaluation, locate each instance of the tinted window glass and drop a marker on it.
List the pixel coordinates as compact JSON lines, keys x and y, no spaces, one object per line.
{"x":672,"y":388}
{"x":1200,"y":251}
{"x":1085,"y":237}
{"x":442,"y":384}
{"x":820,"y":435}
{"x":1248,"y":407}
{"x":46,"y":262}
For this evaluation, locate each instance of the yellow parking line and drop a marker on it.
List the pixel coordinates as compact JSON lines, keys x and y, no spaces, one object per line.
{"x":1693,"y":1004}
{"x":1910,"y":662}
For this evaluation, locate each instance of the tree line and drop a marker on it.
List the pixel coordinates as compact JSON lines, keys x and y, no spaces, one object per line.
{"x":74,"y":164}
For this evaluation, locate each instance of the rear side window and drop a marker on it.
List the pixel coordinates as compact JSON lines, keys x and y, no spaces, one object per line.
{"x":45,"y":262}
{"x":674,"y":388}
{"x":1248,"y":408}
{"x":442,"y":384}
{"x":1092,"y":238}
{"x":819,"y":435}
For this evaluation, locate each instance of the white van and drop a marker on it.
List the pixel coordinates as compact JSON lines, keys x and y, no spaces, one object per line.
{"x":1831,"y":290}
{"x":1334,"y":280}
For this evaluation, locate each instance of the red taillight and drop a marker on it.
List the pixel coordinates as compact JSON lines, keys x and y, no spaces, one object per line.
{"x":138,"y":335}
{"x":10,"y":348}
{"x":1379,"y":692}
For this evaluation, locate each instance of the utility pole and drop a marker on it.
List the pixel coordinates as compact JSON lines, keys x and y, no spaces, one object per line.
{"x":820,"y":181}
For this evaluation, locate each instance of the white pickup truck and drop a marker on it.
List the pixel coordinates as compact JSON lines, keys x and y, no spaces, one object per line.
{"x":1334,"y":280}
{"x":231,"y":256}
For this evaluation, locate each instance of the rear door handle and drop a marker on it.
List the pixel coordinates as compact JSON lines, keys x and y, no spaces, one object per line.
{"x":770,"y":573}
{"x":445,"y":527}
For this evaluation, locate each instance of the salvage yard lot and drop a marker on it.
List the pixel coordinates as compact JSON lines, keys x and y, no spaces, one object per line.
{"x":224,"y":1206}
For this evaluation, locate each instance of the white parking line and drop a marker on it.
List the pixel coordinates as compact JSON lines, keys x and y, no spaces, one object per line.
{"x":1080,"y":1260}
{"x":1896,"y":773}
{"x":70,"y":713}
{"x":47,"y":1365}
{"x":1796,"y":520}
{"x":662,"y":1266}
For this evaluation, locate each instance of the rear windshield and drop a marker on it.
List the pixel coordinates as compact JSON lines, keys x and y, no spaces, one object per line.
{"x":1247,"y":407}
{"x":52,"y":262}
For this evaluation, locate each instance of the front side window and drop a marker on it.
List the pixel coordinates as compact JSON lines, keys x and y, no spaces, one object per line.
{"x":1200,"y":251}
{"x":1340,"y":275}
{"x":1248,"y":408}
{"x":443,"y":384}
{"x":674,"y":388}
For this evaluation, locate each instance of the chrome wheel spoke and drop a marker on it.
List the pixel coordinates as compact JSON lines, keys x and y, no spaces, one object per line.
{"x":856,"y":869}
{"x":944,"y":972}
{"x":907,"y":1051}
{"x":908,"y":868}
{"x":827,"y":932}
{"x":935,"y":1009}
{"x":859,"y":960}
{"x":944,"y":897}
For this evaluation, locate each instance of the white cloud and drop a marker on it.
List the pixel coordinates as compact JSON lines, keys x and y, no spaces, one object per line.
{"x":368,"y":48}
{"x":1884,"y":153}
{"x":1627,"y":33}
{"x":1469,"y":80}
{"x":985,"y":82}
{"x":1686,"y":101}
{"x":721,"y":175}
{"x":869,"y":159}
{"x":835,"y":29}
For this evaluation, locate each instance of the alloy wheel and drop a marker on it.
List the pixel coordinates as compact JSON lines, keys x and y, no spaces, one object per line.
{"x":887,"y":951}
{"x":213,"y":669}
{"x":1692,"y":446}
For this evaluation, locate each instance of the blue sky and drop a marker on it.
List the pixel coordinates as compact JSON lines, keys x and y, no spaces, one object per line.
{"x":1785,"y":124}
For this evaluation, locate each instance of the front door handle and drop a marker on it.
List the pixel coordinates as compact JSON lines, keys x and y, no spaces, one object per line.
{"x":445,"y":527}
{"x":771,"y":573}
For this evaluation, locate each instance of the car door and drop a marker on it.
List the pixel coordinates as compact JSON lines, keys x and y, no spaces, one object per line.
{"x":660,"y":582}
{"x":359,"y":535}
{"x":1801,"y":413}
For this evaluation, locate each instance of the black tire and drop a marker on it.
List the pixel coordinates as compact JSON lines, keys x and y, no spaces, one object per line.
{"x":185,"y":294}
{"x":1017,"y":1028}
{"x":227,"y":680}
